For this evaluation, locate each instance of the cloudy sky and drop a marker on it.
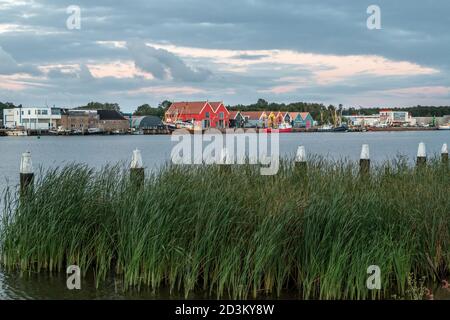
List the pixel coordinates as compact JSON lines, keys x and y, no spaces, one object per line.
{"x":144,"y":51}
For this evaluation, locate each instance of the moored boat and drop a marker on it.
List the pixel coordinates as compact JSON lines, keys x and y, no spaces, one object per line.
{"x":325,"y":128}
{"x":283,"y":128}
{"x":444,"y":127}
{"x":17,"y":133}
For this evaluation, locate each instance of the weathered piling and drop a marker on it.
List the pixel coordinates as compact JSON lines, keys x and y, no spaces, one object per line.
{"x":26,"y":173}
{"x":421,"y":155}
{"x":300,"y":160}
{"x":137,"y":173}
{"x":444,"y":153}
{"x":364,"y":160}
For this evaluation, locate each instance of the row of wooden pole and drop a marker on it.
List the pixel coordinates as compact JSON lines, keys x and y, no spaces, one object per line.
{"x":137,"y":174}
{"x":364,"y":160}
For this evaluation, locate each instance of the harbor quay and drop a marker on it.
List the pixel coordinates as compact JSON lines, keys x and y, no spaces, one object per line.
{"x":201,"y":115}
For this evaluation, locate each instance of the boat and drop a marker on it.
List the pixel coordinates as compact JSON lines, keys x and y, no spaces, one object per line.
{"x":17,"y":133}
{"x":325,"y":128}
{"x":341,"y":128}
{"x":282,"y":128}
{"x":444,"y":127}
{"x":94,"y":130}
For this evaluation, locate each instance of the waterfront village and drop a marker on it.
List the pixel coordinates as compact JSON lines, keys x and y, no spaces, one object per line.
{"x":201,"y":115}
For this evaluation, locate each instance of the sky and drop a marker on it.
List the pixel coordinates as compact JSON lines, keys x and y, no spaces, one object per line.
{"x":236,"y":51}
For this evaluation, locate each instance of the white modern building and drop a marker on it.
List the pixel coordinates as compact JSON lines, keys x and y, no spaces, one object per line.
{"x":393,"y":118}
{"x":363,"y":120}
{"x":32,"y":118}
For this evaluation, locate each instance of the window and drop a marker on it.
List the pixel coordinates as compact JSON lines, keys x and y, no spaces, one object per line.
{"x":221,"y":115}
{"x":207,"y":115}
{"x":44,"y":112}
{"x":29,"y":112}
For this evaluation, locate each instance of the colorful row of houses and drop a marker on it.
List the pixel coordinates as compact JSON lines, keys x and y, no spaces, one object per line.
{"x":271,"y":119}
{"x":205,"y":114}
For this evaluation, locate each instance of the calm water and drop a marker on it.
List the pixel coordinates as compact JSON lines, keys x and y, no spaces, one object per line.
{"x":97,"y":151}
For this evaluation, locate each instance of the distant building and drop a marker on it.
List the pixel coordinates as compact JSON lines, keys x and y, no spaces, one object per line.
{"x":83,"y":120}
{"x":237,"y":120}
{"x":363,"y":120}
{"x":202,"y":114}
{"x":9,"y":118}
{"x":396,"y":118}
{"x":34,"y":118}
{"x":430,"y":121}
{"x":254,"y":119}
{"x":112,"y":121}
{"x":302,"y":120}
{"x":146,"y":122}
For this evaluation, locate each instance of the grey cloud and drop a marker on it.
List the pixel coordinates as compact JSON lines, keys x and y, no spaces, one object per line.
{"x":160,"y":62}
{"x":412,"y":31}
{"x":9,"y":66}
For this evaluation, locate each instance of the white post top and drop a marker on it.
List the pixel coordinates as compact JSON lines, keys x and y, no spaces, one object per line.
{"x":422,"y":151}
{"x":26,"y":165}
{"x":301,"y":154}
{"x":444,"y":148}
{"x":136,"y":160}
{"x":365,"y":153}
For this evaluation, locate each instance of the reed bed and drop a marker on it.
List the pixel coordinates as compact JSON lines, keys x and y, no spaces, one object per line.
{"x":236,"y":233}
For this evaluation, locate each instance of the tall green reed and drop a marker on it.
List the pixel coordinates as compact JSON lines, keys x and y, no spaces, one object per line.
{"x":237,"y":234}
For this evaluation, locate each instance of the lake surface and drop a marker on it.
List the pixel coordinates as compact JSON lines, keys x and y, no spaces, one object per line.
{"x":97,"y":151}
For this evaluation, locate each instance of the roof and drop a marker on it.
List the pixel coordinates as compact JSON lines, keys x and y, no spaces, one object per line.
{"x":143,"y":122}
{"x":186,"y":107}
{"x":304,"y":115}
{"x":216,"y":105}
{"x":293,"y":114}
{"x":110,"y":115}
{"x":252,"y":115}
{"x":233,"y":114}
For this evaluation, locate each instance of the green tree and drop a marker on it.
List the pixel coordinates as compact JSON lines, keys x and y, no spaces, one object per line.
{"x":147,"y":110}
{"x":100,"y":106}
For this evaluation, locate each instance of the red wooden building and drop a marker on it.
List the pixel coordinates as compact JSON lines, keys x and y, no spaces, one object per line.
{"x":202,"y":114}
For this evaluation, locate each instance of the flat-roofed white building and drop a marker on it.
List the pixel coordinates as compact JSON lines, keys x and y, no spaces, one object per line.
{"x":8,"y":118}
{"x":363,"y":120}
{"x":33,"y":118}
{"x":395,"y":117}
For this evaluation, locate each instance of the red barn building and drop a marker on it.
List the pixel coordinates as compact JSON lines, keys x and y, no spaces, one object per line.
{"x":202,"y":114}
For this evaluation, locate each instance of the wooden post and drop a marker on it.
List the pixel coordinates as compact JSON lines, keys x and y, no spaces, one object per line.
{"x":300,"y":160}
{"x":444,"y":153}
{"x":364,"y":160}
{"x":421,"y":155}
{"x":137,"y":174}
{"x":26,"y":173}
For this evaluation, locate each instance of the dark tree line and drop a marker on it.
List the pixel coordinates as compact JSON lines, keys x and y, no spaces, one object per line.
{"x":417,"y":111}
{"x":100,"y":106}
